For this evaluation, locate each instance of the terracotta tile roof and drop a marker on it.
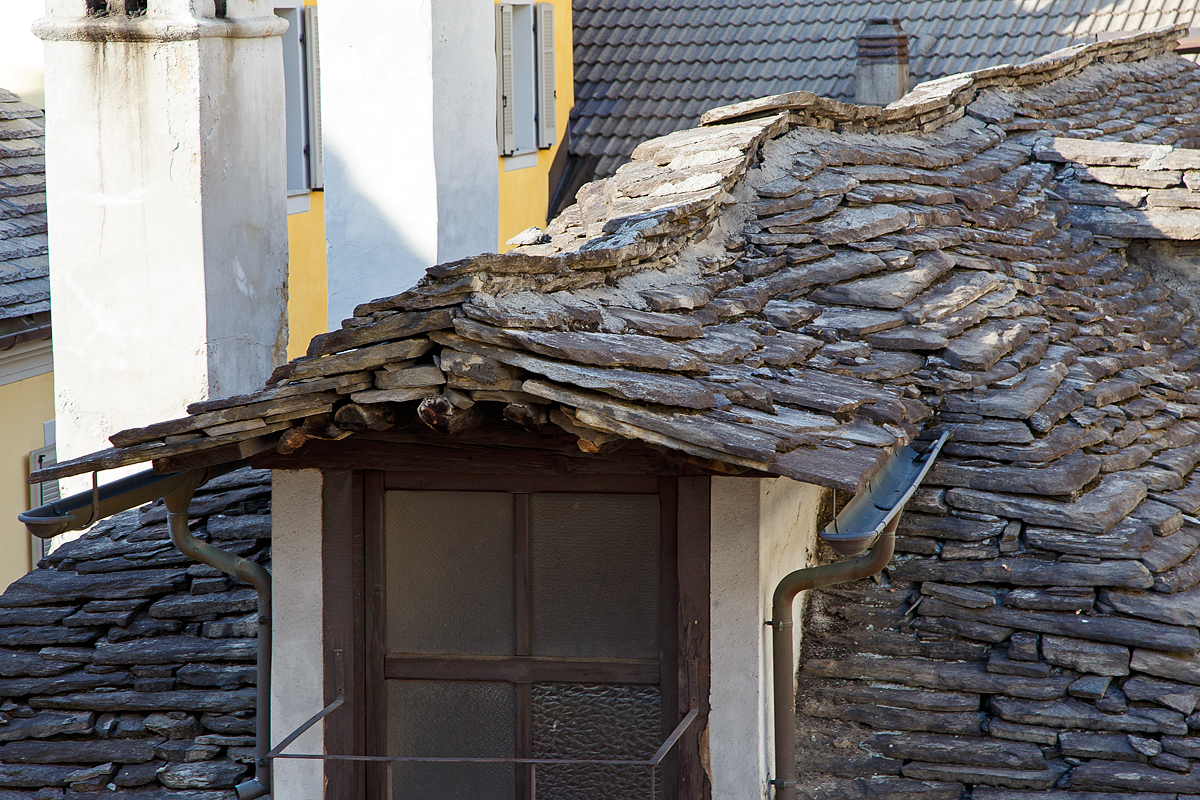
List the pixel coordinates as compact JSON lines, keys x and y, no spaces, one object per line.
{"x":24,"y":273}
{"x":645,"y":68}
{"x":797,"y":292}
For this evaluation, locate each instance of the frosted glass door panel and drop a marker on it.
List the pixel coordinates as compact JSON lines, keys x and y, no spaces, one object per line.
{"x":449,"y":572}
{"x":595,"y":575}
{"x":451,"y":719}
{"x":605,"y":722}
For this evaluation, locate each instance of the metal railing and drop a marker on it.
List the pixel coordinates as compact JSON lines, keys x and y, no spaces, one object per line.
{"x":652,"y":763}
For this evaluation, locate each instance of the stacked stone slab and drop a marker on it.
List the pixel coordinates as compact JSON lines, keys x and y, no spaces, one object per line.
{"x":127,"y":671}
{"x":799,"y":287}
{"x":24,"y":282}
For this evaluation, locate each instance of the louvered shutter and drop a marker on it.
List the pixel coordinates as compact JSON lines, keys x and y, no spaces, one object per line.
{"x":505,"y":133}
{"x":312,"y":65}
{"x":42,"y":493}
{"x":544,"y":43}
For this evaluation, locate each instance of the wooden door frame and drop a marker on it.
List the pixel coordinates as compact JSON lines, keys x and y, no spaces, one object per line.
{"x":353,"y":578}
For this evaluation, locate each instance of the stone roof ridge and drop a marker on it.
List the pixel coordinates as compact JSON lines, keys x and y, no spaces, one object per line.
{"x":934,"y":103}
{"x":774,"y":298}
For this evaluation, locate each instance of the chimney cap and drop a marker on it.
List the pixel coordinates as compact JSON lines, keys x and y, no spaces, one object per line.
{"x":882,"y":40}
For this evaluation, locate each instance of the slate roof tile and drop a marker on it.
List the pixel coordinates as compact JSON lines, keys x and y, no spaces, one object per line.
{"x":572,"y":321}
{"x":763,"y":47}
{"x":22,"y":211}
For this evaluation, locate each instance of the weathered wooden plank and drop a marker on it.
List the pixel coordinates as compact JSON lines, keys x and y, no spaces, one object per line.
{"x":1110,"y":629}
{"x":719,"y":439}
{"x":832,"y":467}
{"x":1099,"y":154}
{"x":1066,"y":476}
{"x":210,"y":419}
{"x":598,"y":349}
{"x":115,"y":457}
{"x":223,"y":454}
{"x":653,"y":387}
{"x":314,"y":387}
{"x":396,"y":326}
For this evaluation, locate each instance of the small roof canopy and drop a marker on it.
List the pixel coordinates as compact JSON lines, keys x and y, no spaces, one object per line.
{"x":797,"y":286}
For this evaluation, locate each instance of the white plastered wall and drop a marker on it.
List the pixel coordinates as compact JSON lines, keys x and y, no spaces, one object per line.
{"x":762,"y":529}
{"x":297,"y":670}
{"x":166,"y":189}
{"x":411,"y":165}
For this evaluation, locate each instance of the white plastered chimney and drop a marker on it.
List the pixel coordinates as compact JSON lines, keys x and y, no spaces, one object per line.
{"x":166,"y":185}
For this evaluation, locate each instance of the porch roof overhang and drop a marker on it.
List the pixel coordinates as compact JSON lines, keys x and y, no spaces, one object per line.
{"x":790,"y":289}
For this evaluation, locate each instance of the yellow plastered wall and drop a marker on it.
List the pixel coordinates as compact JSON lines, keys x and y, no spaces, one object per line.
{"x":26,"y":405}
{"x":525,"y":193}
{"x":308,"y":282}
{"x":308,"y":285}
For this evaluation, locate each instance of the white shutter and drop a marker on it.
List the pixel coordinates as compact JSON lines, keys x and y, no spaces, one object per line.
{"x":42,"y":493}
{"x":544,"y":53}
{"x":312,"y":65}
{"x":505,"y":133}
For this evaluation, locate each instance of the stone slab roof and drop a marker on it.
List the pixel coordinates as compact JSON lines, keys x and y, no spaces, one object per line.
{"x":794,"y":293}
{"x":24,"y":263}
{"x":128,"y":670}
{"x":791,"y":292}
{"x":645,"y":68}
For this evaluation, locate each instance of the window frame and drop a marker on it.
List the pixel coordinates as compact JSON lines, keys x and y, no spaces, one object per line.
{"x":302,"y":100}
{"x":353,"y":519}
{"x":526,"y":96}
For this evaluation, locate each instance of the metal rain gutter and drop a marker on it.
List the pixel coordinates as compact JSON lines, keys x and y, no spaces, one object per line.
{"x":868,"y":521}
{"x":82,"y":510}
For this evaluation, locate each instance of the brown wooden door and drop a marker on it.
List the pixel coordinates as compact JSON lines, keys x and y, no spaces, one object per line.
{"x":523,"y":616}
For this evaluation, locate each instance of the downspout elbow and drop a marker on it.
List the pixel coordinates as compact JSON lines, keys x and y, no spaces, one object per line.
{"x":257,"y":576}
{"x":782,"y":651}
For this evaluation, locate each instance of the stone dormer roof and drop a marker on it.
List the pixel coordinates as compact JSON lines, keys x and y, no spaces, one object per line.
{"x":24,"y":272}
{"x":795,"y":289}
{"x":646,"y":68}
{"x":734,"y":285}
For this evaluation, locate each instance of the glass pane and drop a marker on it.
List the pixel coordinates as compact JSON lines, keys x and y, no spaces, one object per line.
{"x":595,"y":575}
{"x":451,"y":719}
{"x":603,"y":722}
{"x":449,"y":572}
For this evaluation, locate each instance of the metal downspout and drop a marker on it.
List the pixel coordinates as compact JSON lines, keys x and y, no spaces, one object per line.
{"x":783,"y":659}
{"x":68,"y":514}
{"x":869,"y":520}
{"x":258,"y":577}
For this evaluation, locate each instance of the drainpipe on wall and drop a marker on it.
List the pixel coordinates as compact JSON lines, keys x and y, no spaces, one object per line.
{"x":869,"y":520}
{"x":86,"y":508}
{"x":881,"y":74}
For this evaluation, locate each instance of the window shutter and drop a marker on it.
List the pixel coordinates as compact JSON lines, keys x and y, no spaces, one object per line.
{"x":312,"y":66}
{"x":42,"y":493}
{"x":544,"y":43}
{"x":505,"y":133}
